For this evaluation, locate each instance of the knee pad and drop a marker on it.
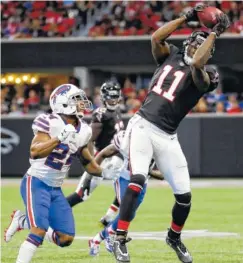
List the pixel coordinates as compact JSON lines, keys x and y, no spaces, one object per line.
{"x":184,"y":199}
{"x":137,"y":180}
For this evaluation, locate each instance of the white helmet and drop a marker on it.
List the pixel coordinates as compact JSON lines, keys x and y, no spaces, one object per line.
{"x":69,"y":100}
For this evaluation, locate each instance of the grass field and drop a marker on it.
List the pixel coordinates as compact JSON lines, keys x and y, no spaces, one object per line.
{"x":213,"y":209}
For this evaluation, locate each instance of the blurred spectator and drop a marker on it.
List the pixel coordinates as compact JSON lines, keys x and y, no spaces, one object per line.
{"x":202,"y":107}
{"x":232,"y":106}
{"x":31,"y":99}
{"x":220,"y":107}
{"x":32,"y":103}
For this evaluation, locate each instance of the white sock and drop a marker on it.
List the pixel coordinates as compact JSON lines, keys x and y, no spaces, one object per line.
{"x":50,"y":235}
{"x":111,"y":213}
{"x":26,"y":252}
{"x":98,"y":238}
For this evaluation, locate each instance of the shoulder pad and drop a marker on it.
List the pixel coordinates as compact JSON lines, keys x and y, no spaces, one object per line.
{"x":98,"y":114}
{"x":41,"y":123}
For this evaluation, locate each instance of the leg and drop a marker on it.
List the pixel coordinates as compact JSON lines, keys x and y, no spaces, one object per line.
{"x":110,"y":214}
{"x":77,"y":197}
{"x":114,"y":167}
{"x":173,"y":165}
{"x":63,"y":229}
{"x":140,"y":156}
{"x":36,"y":197}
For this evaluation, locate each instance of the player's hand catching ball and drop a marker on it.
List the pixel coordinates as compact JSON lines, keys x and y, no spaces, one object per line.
{"x":68,"y":129}
{"x":222,"y":25}
{"x":191,"y":15}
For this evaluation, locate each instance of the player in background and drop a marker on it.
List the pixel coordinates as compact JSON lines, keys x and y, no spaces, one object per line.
{"x":106,"y":122}
{"x":180,"y":80}
{"x":58,"y":137}
{"x":120,"y":186}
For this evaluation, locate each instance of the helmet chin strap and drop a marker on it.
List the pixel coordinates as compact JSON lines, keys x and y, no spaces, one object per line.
{"x":186,"y":58}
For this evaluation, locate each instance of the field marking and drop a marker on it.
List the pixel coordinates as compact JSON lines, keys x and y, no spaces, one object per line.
{"x":187,"y":234}
{"x":195,"y":182}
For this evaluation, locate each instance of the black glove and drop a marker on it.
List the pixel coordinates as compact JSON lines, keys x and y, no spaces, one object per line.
{"x":192,"y":14}
{"x":223,"y":24}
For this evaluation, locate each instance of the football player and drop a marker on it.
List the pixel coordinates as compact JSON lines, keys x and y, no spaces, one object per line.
{"x":106,"y":122}
{"x":58,"y":137}
{"x":180,"y":80}
{"x":120,"y":186}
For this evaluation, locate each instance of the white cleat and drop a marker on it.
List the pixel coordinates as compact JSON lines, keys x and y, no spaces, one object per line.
{"x":94,"y":248}
{"x":14,"y":225}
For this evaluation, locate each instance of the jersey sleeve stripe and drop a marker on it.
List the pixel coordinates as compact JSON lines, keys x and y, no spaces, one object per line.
{"x":43,"y":121}
{"x":41,"y":126}
{"x":117,"y":145}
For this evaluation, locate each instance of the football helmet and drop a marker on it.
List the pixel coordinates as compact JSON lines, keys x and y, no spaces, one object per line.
{"x":195,"y":39}
{"x":110,"y":93}
{"x":69,"y":100}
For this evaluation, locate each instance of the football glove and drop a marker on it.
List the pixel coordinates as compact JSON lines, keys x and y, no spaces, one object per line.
{"x":222,"y":25}
{"x":68,"y":129}
{"x":191,"y":15}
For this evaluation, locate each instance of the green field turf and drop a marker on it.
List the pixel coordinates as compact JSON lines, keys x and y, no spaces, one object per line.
{"x":216,"y":210}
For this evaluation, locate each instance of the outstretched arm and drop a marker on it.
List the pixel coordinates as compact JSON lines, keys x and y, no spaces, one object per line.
{"x":160,"y":48}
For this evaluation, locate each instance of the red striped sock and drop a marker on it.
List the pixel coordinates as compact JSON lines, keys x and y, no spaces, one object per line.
{"x":176,"y":228}
{"x":123,"y":225}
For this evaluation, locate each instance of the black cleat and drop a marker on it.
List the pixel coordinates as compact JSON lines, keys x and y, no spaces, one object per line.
{"x":180,"y":249}
{"x":120,"y":249}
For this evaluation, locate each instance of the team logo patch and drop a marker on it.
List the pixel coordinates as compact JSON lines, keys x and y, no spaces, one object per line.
{"x":8,"y":139}
{"x":61,"y":91}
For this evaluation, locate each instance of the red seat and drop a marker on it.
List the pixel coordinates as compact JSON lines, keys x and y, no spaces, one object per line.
{"x":35,"y":14}
{"x":37,"y":5}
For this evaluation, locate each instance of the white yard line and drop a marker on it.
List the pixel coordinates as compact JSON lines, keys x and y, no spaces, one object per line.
{"x":195,"y":183}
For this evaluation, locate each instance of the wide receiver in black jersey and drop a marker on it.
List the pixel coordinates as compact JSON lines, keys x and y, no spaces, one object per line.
{"x":106,"y":122}
{"x":179,"y":81}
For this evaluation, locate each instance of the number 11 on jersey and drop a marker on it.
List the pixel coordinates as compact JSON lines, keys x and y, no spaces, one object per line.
{"x":158,"y":86}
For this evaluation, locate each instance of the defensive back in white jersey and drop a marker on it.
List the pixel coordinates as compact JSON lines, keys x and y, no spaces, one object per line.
{"x":53,"y":169}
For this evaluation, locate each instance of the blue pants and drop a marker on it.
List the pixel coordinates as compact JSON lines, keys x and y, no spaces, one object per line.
{"x":46,"y":206}
{"x":121,"y":185}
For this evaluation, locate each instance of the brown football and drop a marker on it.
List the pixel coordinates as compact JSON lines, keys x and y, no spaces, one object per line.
{"x":208,"y":17}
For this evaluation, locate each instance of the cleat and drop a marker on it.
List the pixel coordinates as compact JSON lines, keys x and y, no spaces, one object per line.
{"x":103,"y":222}
{"x":94,"y":248}
{"x":14,"y":225}
{"x":180,"y":249}
{"x":109,"y":242}
{"x":120,"y":249}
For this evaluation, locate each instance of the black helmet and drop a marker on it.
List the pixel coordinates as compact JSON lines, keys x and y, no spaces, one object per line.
{"x":110,"y":91}
{"x":199,"y":37}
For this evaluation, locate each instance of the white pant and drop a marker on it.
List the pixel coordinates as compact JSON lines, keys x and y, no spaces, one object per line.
{"x":144,"y":141}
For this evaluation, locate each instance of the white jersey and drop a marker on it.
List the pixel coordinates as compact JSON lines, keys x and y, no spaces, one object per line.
{"x":53,"y":169}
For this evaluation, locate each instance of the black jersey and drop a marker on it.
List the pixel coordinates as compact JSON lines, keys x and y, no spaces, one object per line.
{"x":111,"y":124}
{"x":172,"y":92}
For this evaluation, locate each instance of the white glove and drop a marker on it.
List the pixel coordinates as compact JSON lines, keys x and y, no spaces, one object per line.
{"x":68,"y":129}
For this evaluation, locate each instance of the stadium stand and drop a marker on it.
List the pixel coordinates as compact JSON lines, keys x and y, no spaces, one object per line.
{"x":17,"y":100}
{"x":31,"y":19}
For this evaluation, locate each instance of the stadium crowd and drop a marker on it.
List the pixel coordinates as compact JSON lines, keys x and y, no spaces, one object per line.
{"x":31,"y":19}
{"x":18,"y":100}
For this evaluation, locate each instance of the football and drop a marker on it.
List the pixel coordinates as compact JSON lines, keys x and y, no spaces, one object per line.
{"x":207,"y":17}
